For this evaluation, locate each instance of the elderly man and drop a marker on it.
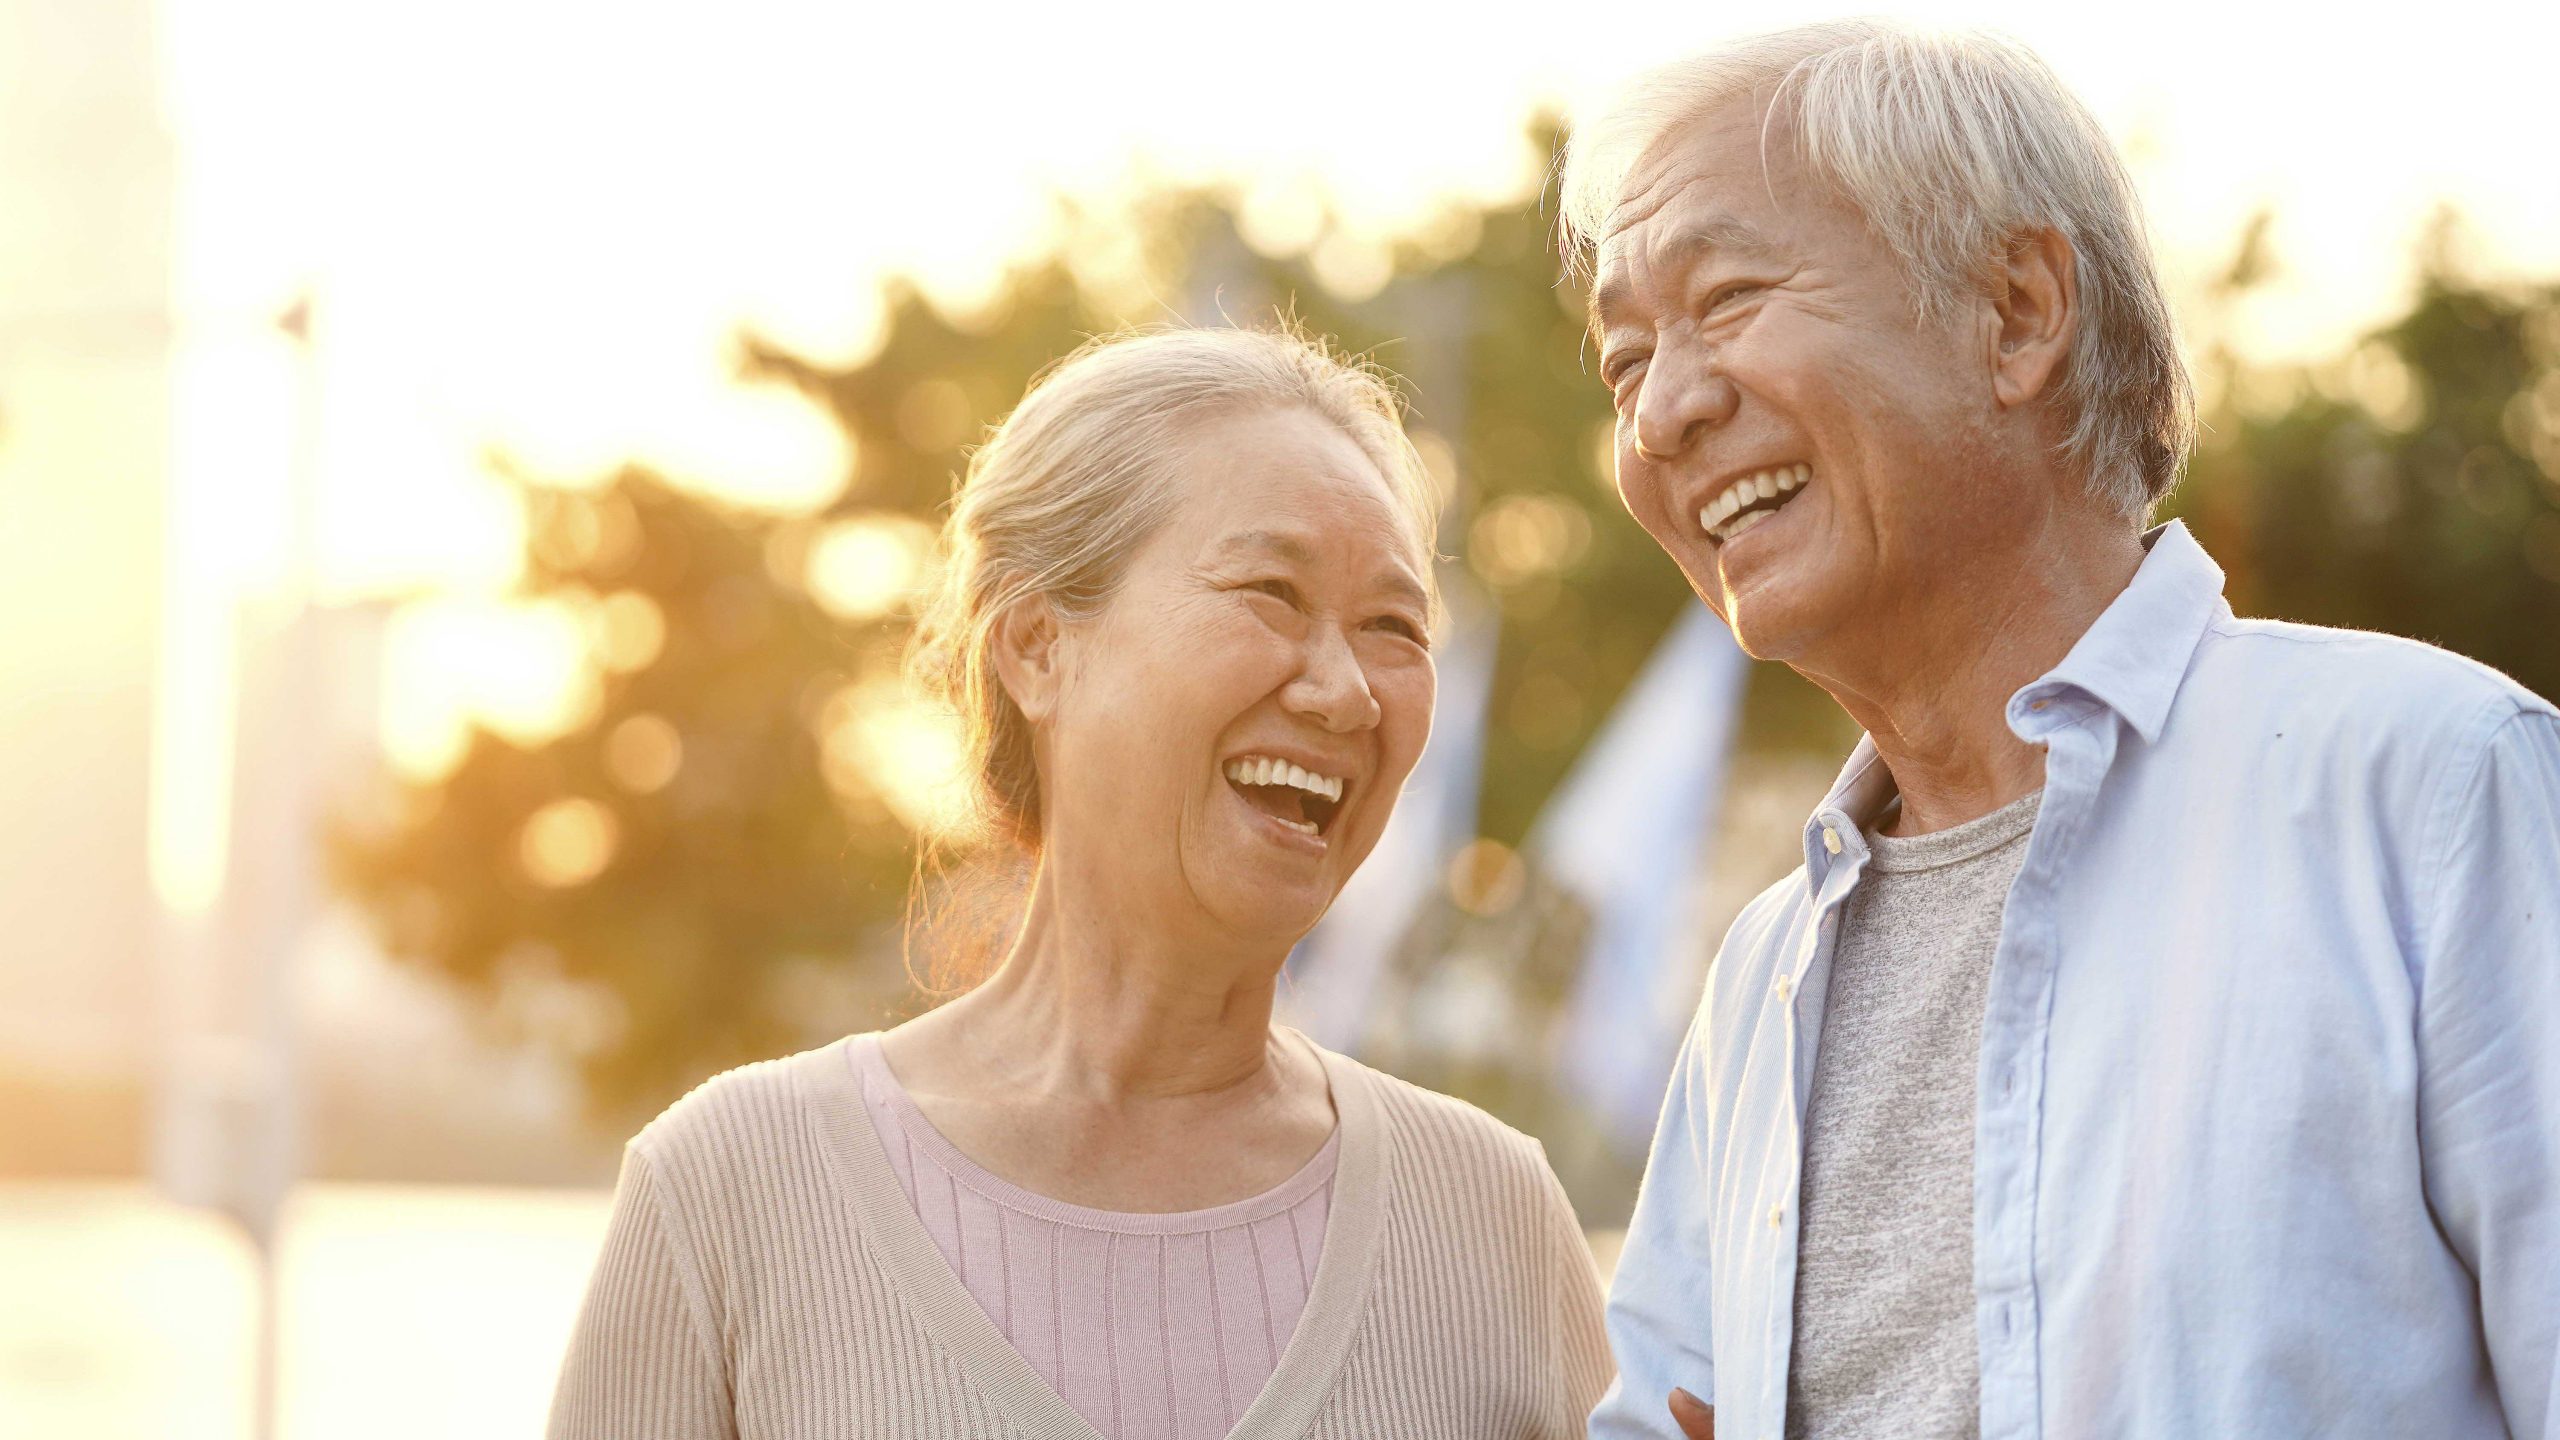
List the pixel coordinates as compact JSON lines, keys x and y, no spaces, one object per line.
{"x":2162,"y":1038}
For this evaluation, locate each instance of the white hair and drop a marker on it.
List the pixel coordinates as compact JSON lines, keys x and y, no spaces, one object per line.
{"x":1952,"y":145}
{"x":1085,"y":469}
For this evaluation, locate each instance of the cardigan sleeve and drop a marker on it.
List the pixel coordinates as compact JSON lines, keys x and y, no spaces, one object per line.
{"x":1579,"y":1337}
{"x":645,"y":1361}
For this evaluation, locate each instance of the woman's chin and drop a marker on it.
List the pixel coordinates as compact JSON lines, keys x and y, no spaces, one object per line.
{"x":1264,"y":901}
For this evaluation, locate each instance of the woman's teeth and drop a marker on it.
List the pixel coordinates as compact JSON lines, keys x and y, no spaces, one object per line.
{"x":1262,"y":770}
{"x":1725,"y":517}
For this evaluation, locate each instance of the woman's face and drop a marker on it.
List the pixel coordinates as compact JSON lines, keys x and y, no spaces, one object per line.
{"x":1229,"y":733}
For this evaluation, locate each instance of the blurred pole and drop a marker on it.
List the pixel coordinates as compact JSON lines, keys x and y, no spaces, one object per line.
{"x":229,"y":1135}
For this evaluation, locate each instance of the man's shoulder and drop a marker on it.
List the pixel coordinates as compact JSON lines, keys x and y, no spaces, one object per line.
{"x":1765,"y":919}
{"x":2358,"y":686}
{"x":1754,"y":943}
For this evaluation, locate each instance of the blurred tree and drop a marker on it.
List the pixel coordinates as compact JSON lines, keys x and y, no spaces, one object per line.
{"x":2410,"y":485}
{"x":712,"y":865}
{"x":699,"y":873}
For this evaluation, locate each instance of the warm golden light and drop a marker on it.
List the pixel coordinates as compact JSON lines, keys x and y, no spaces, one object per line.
{"x":875,"y":738}
{"x":192,"y":734}
{"x":862,"y":569}
{"x":568,"y":842}
{"x":2379,"y":380}
{"x":1487,"y":877}
{"x":643,"y":754}
{"x":630,"y":630}
{"x":449,"y":664}
{"x":1521,"y":538}
{"x":934,"y":415}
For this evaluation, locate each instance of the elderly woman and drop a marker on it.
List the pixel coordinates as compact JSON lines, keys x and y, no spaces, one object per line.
{"x":1187,"y":617}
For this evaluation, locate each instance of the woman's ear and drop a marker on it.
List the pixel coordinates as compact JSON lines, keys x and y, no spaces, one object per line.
{"x":2036,"y":296}
{"x":1028,"y":659}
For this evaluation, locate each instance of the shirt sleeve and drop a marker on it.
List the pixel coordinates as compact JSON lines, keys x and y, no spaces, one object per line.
{"x":2489,"y":1054}
{"x":1658,"y":1303}
{"x":644,"y":1362}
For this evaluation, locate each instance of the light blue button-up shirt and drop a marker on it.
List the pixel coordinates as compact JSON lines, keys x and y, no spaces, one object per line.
{"x":2267,"y":1137}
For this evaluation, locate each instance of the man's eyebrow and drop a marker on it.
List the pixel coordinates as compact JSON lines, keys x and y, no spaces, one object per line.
{"x":1724,"y":232}
{"x":1721,"y":232}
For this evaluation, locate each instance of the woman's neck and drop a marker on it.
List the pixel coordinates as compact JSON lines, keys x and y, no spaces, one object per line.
{"x":1095,"y":1008}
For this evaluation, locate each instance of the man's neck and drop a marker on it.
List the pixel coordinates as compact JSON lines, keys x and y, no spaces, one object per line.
{"x":1933,"y":690}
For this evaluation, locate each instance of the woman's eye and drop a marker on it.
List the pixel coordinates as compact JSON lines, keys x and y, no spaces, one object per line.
{"x":1277,"y":589}
{"x":1398,"y":625}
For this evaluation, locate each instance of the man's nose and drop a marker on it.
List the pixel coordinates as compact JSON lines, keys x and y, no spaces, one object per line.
{"x":1678,"y":405}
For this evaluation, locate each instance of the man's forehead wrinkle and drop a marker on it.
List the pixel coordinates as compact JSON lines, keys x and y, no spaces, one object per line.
{"x":1676,"y":248}
{"x":1645,"y":201}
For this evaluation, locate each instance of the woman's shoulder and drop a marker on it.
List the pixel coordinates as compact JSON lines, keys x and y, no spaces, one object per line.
{"x":745,"y":1122}
{"x":1443,"y":1134}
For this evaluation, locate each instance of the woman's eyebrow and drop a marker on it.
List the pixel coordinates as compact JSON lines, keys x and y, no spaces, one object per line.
{"x":1402,"y":586}
{"x":1271,"y":542}
{"x":1296,"y":550}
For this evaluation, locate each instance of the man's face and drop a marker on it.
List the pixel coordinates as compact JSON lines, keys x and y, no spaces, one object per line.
{"x":1756,"y":334}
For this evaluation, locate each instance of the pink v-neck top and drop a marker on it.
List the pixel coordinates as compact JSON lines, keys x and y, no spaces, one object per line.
{"x":1152,"y":1327}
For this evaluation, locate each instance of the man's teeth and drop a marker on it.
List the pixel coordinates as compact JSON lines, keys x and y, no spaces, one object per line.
{"x":1718,"y":518}
{"x":1262,"y":770}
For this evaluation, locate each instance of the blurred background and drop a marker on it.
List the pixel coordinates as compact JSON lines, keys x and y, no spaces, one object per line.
{"x":465,"y":472}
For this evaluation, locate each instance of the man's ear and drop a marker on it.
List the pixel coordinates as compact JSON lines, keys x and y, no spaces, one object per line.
{"x":1027,"y":656}
{"x":2036,"y":298}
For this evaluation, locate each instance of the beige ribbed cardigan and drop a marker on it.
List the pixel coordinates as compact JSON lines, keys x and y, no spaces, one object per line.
{"x":765,"y":1277}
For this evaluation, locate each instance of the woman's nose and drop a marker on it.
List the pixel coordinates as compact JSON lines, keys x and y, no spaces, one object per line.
{"x":1331,"y":688}
{"x":1678,"y":405}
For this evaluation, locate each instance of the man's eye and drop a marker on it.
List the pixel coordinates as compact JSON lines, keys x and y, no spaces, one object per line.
{"x":1738,"y":290}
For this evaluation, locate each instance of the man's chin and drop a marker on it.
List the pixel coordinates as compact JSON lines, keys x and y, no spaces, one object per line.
{"x":1767,"y":626}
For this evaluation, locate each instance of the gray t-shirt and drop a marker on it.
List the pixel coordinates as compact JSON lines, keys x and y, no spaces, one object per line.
{"x":1884,"y":1332}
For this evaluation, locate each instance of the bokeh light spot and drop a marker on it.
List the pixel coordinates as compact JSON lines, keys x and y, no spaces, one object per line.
{"x":862,"y":569}
{"x":643,"y":753}
{"x":567,"y":842}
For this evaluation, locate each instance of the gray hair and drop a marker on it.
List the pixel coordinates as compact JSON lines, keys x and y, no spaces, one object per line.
{"x":1082,"y":473}
{"x":1951,"y":144}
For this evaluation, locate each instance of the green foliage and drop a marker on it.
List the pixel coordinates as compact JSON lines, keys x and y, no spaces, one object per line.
{"x":2411,"y":486}
{"x":751,"y":901}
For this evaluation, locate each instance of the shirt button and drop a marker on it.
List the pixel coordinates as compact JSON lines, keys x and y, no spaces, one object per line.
{"x":1777,"y":1216}
{"x":1830,"y":839}
{"x":1784,"y":985}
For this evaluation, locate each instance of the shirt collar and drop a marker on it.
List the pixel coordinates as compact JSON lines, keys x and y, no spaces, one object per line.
{"x":2135,"y":657}
{"x":2131,"y":661}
